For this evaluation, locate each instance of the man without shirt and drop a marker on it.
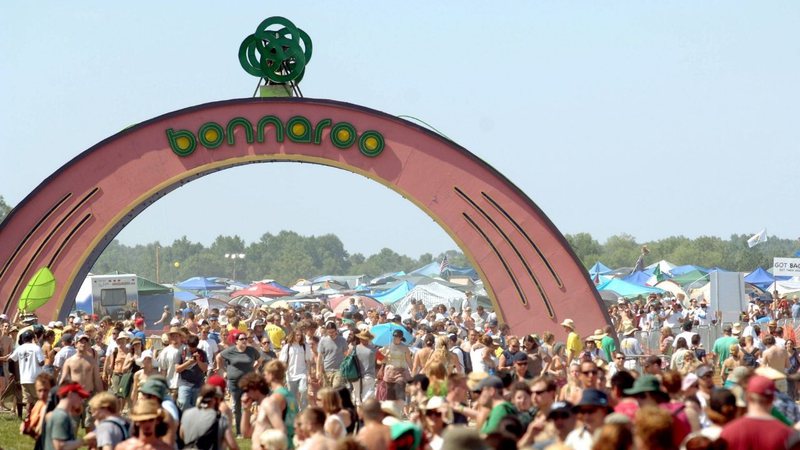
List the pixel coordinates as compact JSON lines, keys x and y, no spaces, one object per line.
{"x":276,"y":411}
{"x":374,"y":435}
{"x":775,"y":357}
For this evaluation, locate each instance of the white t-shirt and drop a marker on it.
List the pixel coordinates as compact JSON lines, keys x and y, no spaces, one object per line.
{"x":30,"y":358}
{"x":297,"y":368}
{"x":167,"y":361}
{"x":63,"y":355}
{"x":686,"y":335}
{"x":211,"y":348}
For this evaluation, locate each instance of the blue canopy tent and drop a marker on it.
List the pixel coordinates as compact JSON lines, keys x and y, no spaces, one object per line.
{"x":627,"y":290}
{"x":185,"y":296}
{"x":200,"y":284}
{"x":599,"y":269}
{"x":394,"y":294}
{"x":639,"y":277}
{"x":760,"y":278}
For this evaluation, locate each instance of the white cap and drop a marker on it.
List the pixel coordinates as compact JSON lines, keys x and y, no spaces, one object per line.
{"x":59,"y":324}
{"x":145,"y":354}
{"x":3,"y":317}
{"x":77,"y":321}
{"x":390,"y":316}
{"x":174,"y":321}
{"x":51,"y":324}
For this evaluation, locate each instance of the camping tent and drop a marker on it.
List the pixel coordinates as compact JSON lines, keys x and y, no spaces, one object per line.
{"x":672,"y":287}
{"x":680,"y":270}
{"x":263,"y":290}
{"x":665,"y":266}
{"x":599,"y":269}
{"x":691,"y":277}
{"x":200,"y":284}
{"x":430,"y":295}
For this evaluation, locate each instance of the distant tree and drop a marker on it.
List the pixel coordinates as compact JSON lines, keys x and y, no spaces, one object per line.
{"x":585,"y":247}
{"x":621,"y":251}
{"x":5,"y":208}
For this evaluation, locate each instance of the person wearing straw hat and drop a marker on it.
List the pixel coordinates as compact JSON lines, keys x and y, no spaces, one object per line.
{"x":630,"y":347}
{"x":148,"y":427}
{"x":364,"y":388}
{"x":574,"y":343}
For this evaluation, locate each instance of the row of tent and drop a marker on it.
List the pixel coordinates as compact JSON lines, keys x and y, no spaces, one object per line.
{"x":663,"y":276}
{"x":392,"y":291}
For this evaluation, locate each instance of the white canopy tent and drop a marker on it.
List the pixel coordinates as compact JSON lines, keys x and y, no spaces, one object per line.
{"x":431,"y":295}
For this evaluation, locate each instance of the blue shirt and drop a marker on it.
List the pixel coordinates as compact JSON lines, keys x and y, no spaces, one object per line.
{"x":796,"y":311}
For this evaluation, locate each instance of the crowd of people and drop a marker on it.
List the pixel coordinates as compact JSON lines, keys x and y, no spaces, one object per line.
{"x":432,"y":378}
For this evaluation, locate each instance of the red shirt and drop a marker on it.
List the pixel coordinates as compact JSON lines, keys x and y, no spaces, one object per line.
{"x":755,"y":433}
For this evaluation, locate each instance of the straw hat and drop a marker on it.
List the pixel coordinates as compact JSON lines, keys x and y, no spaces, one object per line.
{"x":629,"y":330}
{"x":365,"y":335}
{"x":176,"y":330}
{"x":736,"y":328}
{"x":598,"y":335}
{"x":146,"y":410}
{"x":569,"y":323}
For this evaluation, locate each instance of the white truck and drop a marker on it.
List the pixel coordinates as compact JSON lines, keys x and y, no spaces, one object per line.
{"x":108,"y":295}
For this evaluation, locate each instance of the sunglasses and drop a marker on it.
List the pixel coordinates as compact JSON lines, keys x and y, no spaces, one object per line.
{"x":433,"y":414}
{"x":241,"y":339}
{"x":560,"y":416}
{"x":589,"y":372}
{"x":540,"y":392}
{"x":522,"y":363}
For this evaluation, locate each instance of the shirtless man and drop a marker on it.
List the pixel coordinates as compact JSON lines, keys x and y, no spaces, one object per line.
{"x":276,"y":411}
{"x":374,"y":435}
{"x":6,"y":346}
{"x":775,"y":356}
{"x":312,"y":427}
{"x":82,"y":368}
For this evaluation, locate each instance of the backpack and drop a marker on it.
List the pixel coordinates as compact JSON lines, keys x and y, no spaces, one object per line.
{"x":467,"y":359}
{"x":350,"y":369}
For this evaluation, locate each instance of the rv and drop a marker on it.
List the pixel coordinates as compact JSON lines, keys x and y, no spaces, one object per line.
{"x":108,"y":295}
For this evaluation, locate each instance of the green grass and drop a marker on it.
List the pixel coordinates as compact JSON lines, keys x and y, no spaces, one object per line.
{"x":10,"y":439}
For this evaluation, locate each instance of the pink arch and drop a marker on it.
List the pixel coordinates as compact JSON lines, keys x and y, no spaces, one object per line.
{"x":531,"y":274}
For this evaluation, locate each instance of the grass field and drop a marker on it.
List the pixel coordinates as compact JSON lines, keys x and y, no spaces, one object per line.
{"x":10,"y":439}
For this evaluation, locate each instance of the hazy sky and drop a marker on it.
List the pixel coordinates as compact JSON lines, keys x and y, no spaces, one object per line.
{"x":651,"y":118}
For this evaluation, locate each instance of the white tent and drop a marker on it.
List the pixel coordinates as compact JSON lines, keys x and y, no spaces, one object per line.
{"x":665,"y":266}
{"x":785,"y":286}
{"x":431,"y":295}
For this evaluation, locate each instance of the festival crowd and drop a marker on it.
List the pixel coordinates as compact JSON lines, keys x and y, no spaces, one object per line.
{"x":439,"y":378}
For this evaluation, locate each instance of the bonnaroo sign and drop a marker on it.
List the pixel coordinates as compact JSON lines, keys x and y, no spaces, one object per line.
{"x":531,"y":275}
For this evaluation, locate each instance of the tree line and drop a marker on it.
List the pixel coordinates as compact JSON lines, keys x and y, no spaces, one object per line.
{"x":288,"y":256}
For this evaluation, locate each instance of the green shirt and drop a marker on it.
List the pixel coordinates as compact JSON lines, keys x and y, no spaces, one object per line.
{"x":722,"y":347}
{"x":59,"y":427}
{"x":609,"y":347}
{"x":496,"y":415}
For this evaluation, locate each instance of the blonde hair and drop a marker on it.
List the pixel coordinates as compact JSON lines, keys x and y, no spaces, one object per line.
{"x":331,"y":401}
{"x":273,"y":440}
{"x":105,"y":400}
{"x":277,"y":369}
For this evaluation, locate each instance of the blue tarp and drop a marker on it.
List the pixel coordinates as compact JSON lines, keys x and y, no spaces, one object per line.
{"x":599,"y":269}
{"x":281,"y":287}
{"x":760,"y":278}
{"x":625,"y":289}
{"x":638,"y":277}
{"x":394,"y":294}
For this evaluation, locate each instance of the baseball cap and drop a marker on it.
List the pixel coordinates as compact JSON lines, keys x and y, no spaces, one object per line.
{"x":138,"y":322}
{"x":68,"y":388}
{"x":761,"y":385}
{"x":560,"y":408}
{"x":520,"y":357}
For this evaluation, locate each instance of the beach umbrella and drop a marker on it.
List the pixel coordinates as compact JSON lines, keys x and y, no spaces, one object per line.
{"x":38,"y":291}
{"x":383,"y":334}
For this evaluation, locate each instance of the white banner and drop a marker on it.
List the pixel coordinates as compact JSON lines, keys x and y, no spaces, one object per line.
{"x":786,"y":266}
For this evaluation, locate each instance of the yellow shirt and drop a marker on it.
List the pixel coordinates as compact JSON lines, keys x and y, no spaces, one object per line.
{"x":276,"y":335}
{"x":574,"y":344}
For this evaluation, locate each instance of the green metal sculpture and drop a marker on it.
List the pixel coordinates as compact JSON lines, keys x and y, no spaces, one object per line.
{"x":278,"y":51}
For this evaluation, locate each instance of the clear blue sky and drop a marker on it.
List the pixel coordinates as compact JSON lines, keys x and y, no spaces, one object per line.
{"x":651,"y":118}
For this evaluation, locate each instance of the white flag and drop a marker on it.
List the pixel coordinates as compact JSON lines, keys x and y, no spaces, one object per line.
{"x":757,"y":238}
